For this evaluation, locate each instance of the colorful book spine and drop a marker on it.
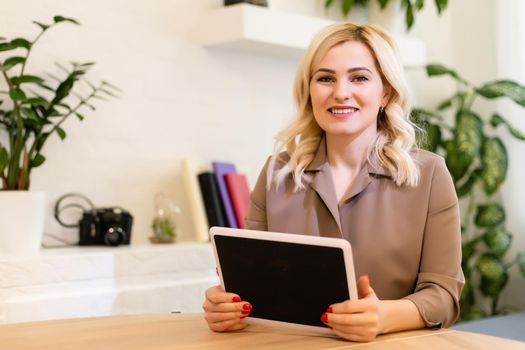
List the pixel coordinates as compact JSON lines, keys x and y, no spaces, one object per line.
{"x":193,"y":193}
{"x":239,"y":195}
{"x":212,"y":199}
{"x":221,"y":169}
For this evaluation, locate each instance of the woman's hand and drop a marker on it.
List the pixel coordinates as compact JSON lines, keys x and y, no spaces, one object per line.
{"x":356,"y":320}
{"x":224,"y":311}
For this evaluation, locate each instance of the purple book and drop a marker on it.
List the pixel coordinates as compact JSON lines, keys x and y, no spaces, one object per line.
{"x":220,"y":169}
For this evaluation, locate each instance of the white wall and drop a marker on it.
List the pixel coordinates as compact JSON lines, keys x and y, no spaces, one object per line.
{"x":510,"y":53}
{"x":181,"y":100}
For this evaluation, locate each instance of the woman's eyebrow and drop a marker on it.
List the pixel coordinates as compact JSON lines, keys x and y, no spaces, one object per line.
{"x":351,"y":70}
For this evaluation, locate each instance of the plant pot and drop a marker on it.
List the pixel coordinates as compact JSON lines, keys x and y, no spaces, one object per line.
{"x":22,"y":216}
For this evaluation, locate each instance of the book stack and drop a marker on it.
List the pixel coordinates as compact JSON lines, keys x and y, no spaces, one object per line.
{"x":217,"y":198}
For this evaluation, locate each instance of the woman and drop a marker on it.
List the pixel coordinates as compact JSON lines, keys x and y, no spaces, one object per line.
{"x":347,"y":167}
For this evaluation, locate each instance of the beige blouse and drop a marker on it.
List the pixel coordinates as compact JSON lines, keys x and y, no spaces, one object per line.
{"x":407,"y":239}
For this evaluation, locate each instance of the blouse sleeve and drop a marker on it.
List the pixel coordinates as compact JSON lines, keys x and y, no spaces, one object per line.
{"x":256,"y":217}
{"x":440,"y":278}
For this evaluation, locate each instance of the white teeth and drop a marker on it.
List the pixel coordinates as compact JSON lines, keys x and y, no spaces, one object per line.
{"x":343,"y":111}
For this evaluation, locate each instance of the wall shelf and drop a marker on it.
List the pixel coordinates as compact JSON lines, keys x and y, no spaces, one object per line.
{"x":266,"y":31}
{"x":101,"y":281}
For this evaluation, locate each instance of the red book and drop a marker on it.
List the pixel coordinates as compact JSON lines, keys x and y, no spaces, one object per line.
{"x":239,"y":192}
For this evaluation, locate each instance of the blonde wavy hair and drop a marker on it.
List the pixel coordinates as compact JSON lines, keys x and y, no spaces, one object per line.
{"x":396,"y":136}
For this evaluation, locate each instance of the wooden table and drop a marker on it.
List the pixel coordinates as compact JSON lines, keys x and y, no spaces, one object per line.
{"x":191,"y":332}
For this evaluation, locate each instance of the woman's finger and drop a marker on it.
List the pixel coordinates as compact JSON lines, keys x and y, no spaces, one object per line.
{"x":228,"y":325}
{"x":358,"y":335}
{"x":217,"y":295}
{"x":354,"y":306}
{"x":242,"y":306}
{"x":363,"y":287}
{"x":214,"y":317}
{"x":355,"y":319}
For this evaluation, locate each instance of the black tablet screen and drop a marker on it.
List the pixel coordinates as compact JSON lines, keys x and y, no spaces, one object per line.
{"x":289,"y":282}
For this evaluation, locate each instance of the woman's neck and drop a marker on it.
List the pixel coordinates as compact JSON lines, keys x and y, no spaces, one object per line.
{"x":346,"y":152}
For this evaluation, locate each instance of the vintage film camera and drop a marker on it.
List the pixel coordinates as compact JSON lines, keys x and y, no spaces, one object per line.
{"x":109,"y":226}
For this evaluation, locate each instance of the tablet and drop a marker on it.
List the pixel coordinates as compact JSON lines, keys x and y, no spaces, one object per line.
{"x":289,"y":279}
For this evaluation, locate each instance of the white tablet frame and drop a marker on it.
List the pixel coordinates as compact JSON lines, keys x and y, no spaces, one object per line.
{"x":343,"y":244}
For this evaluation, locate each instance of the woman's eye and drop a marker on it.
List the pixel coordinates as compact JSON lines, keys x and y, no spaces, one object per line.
{"x":360,"y":78}
{"x":325,"y":79}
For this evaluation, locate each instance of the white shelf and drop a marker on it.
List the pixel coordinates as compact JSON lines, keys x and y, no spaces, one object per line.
{"x":264,"y":30}
{"x":101,"y":281}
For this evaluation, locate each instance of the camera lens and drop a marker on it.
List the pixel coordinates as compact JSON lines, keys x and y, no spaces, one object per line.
{"x":114,"y":236}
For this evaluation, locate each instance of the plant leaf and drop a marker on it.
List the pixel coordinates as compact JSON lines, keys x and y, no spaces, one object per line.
{"x":467,"y":294}
{"x":328,"y":3}
{"x":494,"y":164}
{"x":428,"y":135}
{"x":37,"y":160}
{"x":346,"y":6}
{"x":12,"y":61}
{"x":466,"y":145}
{"x":4,"y":159}
{"x":497,"y":119}
{"x":466,"y":187}
{"x":17,"y":94}
{"x":409,"y":16}
{"x":383,"y":3}
{"x":29,"y":113}
{"x":441,"y":5}
{"x":63,"y":89}
{"x":467,"y":250}
{"x":61,"y":133}
{"x":489,"y":215}
{"x":37,"y":101}
{"x":507,"y":88}
{"x":439,"y":69}
{"x":474,"y":313}
{"x":42,"y":25}
{"x":7,"y":46}
{"x":520,"y":259}
{"x":27,"y":79}
{"x":419,"y":4}
{"x":59,"y":19}
{"x":80,"y":116}
{"x":493,"y":274}
{"x":498,"y":241}
{"x":21,"y":42}
{"x":445,"y":105}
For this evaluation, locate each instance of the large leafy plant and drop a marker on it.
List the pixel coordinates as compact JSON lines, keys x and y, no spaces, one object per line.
{"x":410,"y":7}
{"x":477,"y":160}
{"x":32,"y":108}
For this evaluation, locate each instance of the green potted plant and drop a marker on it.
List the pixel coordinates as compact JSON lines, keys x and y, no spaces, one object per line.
{"x":409,"y":7}
{"x":33,"y":109}
{"x":477,"y":160}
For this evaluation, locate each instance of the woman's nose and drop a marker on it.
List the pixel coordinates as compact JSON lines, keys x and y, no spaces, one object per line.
{"x":342,"y":91}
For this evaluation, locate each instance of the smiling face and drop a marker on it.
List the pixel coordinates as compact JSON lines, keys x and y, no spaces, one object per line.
{"x":346,"y":91}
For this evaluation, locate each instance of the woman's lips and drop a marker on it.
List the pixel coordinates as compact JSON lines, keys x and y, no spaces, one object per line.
{"x":342,"y":112}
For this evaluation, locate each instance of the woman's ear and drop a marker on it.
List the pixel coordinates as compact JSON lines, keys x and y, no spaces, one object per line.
{"x":387,"y":95}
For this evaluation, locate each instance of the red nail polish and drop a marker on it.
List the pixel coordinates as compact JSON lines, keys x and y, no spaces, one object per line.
{"x":236,"y":299}
{"x":324,"y":318}
{"x":242,"y":317}
{"x":247,"y":306}
{"x":329,"y":310}
{"x":245,"y":312}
